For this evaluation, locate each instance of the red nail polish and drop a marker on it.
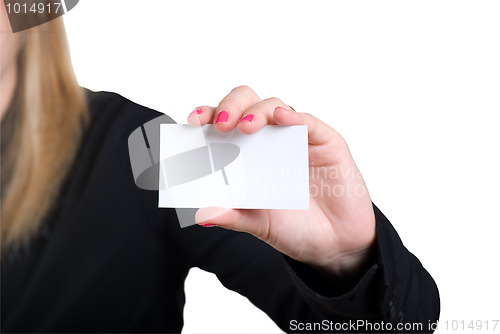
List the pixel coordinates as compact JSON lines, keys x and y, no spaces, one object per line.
{"x":247,"y":118}
{"x":196,"y":111}
{"x":208,"y":225}
{"x":222,"y":117}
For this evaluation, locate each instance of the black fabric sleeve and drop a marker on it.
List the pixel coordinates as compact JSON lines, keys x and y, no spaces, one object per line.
{"x":410,"y":294}
{"x":394,"y":289}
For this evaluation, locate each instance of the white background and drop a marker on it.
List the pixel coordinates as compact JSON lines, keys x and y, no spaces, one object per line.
{"x":414,"y":87}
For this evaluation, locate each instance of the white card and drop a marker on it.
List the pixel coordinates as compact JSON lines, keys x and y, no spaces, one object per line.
{"x":202,"y":167}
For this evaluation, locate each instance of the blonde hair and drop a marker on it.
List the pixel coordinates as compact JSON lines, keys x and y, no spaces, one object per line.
{"x":49,"y":121}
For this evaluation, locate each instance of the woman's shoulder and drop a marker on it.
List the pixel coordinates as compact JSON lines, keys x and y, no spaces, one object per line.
{"x":103,"y":170}
{"x":113,"y":112}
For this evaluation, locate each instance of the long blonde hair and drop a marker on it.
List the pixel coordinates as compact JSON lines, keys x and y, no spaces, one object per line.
{"x":50,"y":116}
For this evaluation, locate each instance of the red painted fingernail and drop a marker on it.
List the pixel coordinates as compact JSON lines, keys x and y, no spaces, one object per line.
{"x":222,"y":117}
{"x":196,"y":111}
{"x":247,"y":118}
{"x":208,"y":225}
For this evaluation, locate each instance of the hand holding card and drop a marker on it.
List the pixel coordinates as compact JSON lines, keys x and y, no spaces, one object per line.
{"x":336,"y":233}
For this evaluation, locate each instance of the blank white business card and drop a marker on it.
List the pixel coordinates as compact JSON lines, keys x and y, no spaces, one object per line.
{"x":203,"y":167}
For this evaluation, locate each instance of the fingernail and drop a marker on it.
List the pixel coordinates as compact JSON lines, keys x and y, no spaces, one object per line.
{"x":196,"y":111}
{"x":281,"y":108}
{"x":222,"y":117}
{"x":208,"y":225}
{"x":247,"y":118}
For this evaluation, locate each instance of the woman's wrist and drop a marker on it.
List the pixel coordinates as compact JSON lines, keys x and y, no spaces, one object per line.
{"x":348,"y":266}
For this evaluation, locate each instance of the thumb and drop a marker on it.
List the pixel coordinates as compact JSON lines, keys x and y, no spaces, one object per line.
{"x":318,"y":132}
{"x":255,"y":222}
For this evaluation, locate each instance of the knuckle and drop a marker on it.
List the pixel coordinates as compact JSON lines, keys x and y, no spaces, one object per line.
{"x":274,"y":100}
{"x":229,"y":103}
{"x":341,"y":140}
{"x":244,"y":88}
{"x":308,"y":118}
{"x":262,"y":233}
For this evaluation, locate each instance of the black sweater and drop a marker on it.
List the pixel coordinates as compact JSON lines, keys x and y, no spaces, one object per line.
{"x":107,"y":259}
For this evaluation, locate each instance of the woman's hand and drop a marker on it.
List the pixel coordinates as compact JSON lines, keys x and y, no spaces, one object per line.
{"x":337,"y":232}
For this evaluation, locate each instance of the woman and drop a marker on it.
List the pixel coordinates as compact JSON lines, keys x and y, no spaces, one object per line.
{"x":85,"y":250}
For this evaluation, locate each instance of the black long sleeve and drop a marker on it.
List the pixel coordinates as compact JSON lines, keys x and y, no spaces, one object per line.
{"x":107,"y":259}
{"x":395,"y":290}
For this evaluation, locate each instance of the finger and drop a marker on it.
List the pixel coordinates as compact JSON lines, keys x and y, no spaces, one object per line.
{"x":255,"y":222}
{"x":230,"y":109}
{"x":319,"y":133}
{"x":259,"y":115}
{"x":201,"y":115}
